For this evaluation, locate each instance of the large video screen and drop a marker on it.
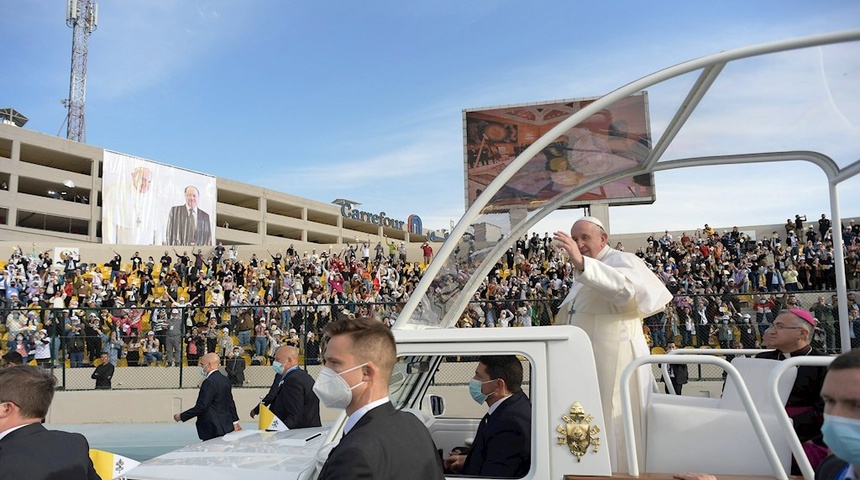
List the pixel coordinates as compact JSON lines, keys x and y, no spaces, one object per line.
{"x":613,"y":139}
{"x":148,"y":203}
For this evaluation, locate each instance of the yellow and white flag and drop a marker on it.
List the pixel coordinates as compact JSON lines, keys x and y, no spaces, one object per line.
{"x":269,"y":421}
{"x":111,"y":465}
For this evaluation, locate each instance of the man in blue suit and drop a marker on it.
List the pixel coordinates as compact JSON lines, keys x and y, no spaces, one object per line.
{"x":502,"y":446}
{"x":215,"y":409}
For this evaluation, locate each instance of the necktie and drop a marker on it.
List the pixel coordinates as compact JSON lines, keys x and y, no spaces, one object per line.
{"x":192,"y":228}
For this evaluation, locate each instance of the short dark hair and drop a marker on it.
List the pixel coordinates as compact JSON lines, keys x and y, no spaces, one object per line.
{"x":13,"y":358}
{"x":846,"y":361}
{"x":507,"y":367}
{"x":31,"y":388}
{"x":371,"y":340}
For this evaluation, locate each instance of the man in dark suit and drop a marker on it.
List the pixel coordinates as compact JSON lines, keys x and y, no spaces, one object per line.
{"x":378,"y":441}
{"x":291,"y":397}
{"x":789,"y":335}
{"x":27,"y":449}
{"x":678,"y":374}
{"x":502,"y":446}
{"x":187,"y":224}
{"x":103,"y":373}
{"x":215,"y":409}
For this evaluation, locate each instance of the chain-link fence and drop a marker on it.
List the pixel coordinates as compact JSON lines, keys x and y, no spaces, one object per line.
{"x":158,"y":347}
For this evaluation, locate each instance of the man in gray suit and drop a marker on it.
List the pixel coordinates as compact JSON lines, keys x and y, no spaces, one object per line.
{"x":187,"y":224}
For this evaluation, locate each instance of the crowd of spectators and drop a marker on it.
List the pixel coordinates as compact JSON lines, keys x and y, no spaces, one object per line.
{"x":727,"y":286}
{"x":144,"y":311}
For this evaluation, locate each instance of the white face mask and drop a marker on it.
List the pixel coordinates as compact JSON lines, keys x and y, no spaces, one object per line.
{"x":332,"y":389}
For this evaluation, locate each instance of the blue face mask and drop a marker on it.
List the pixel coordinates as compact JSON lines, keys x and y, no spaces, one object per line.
{"x":842,"y":436}
{"x":202,"y":371}
{"x":278,"y":367}
{"x":475,"y":390}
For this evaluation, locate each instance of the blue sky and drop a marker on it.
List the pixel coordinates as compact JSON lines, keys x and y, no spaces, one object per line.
{"x":364,"y":100}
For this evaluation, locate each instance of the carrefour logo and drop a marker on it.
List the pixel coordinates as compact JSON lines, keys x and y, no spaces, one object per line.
{"x":347,"y":210}
{"x":413,"y":224}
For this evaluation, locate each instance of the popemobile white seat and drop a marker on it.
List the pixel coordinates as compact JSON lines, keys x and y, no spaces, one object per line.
{"x":716,"y":436}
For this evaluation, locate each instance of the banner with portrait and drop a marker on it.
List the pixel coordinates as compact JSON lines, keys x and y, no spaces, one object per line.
{"x":149,"y":203}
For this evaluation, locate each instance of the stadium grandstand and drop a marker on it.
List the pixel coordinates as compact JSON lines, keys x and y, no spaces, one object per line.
{"x":279,"y":267}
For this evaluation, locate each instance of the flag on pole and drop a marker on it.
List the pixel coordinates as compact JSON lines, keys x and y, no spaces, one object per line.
{"x":269,"y":421}
{"x":111,"y":465}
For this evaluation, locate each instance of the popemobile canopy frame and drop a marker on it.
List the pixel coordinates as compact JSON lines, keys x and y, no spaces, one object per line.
{"x":450,"y":282}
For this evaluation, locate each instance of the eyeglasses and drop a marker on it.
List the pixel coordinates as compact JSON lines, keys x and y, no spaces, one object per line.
{"x":780,"y":326}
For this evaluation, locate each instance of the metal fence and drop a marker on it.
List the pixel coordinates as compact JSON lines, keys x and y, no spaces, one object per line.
{"x":158,"y":347}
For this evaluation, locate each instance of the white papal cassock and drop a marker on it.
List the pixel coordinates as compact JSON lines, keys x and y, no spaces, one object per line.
{"x":609,"y":299}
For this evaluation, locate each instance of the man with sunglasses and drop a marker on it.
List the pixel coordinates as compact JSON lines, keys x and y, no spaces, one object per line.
{"x":790,"y":335}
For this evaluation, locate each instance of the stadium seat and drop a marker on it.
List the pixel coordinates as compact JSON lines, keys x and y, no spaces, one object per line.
{"x":682,"y":431}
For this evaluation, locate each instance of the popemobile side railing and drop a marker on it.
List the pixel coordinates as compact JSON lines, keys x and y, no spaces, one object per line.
{"x":730,"y":352}
{"x":743,"y":393}
{"x":773,"y":397}
{"x":782,"y":415}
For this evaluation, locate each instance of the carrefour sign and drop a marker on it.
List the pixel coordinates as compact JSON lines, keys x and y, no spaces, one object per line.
{"x":412,"y":225}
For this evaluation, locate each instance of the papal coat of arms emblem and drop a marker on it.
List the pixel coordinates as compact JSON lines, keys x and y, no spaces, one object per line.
{"x":577,"y":432}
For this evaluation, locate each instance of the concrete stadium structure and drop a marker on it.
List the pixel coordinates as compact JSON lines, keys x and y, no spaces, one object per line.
{"x":52,"y":196}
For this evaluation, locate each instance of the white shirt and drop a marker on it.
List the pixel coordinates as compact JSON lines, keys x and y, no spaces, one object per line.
{"x":356,"y":415}
{"x":494,"y":406}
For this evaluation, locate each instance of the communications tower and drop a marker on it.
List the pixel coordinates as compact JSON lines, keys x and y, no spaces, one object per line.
{"x":82,"y":16}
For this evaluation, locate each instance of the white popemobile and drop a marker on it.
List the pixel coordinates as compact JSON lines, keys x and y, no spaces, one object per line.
{"x":743,"y":433}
